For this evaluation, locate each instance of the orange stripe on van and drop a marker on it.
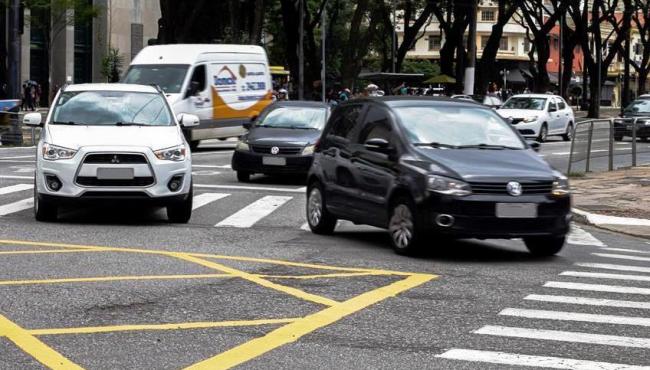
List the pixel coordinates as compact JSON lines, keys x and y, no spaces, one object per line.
{"x":220,"y":110}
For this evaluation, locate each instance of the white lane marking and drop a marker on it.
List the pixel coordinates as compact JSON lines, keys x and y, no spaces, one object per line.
{"x":206,"y":198}
{"x":598,"y":287}
{"x":237,"y":187}
{"x":305,"y":227}
{"x":221,"y":152}
{"x":578,"y":236}
{"x":565,"y":336}
{"x":608,"y":266}
{"x":600,"y":275}
{"x":625,"y":250}
{"x":18,"y":206}
{"x":588,"y":301}
{"x":516,"y":359}
{"x":15,"y":188}
{"x":575,"y":316}
{"x":16,"y":161}
{"x":9,"y":177}
{"x":210,"y":166}
{"x":20,"y":157}
{"x":254,"y":212}
{"x":611,"y":220}
{"x":622,"y":256}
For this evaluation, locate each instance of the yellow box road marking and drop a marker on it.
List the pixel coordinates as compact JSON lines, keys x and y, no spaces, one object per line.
{"x":184,"y":325}
{"x":52,"y":251}
{"x":324,"y":276}
{"x":34,"y":347}
{"x":258,"y":280}
{"x":295,"y":330}
{"x":113,"y":278}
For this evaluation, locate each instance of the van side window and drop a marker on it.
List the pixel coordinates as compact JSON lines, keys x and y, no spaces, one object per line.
{"x":343,"y":125}
{"x":376,"y":126}
{"x":199,"y":77}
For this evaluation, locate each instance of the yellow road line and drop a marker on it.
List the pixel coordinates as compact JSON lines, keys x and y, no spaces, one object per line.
{"x":34,"y":347}
{"x":184,"y":325}
{"x":112,"y":278}
{"x":295,"y":330}
{"x":208,"y":255}
{"x":324,"y":276}
{"x":52,"y":251}
{"x":258,"y":280}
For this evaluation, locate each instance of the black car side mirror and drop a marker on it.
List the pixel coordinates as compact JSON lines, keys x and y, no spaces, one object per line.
{"x":378,"y":145}
{"x":534,"y":145}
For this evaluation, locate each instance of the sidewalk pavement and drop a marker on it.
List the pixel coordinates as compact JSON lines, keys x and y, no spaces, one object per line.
{"x":618,"y":200}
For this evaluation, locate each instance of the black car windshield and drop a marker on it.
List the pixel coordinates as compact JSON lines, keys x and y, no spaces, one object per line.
{"x":639,"y":107}
{"x":525,"y":103}
{"x":111,"y":108}
{"x":457,"y":127}
{"x":169,"y":77}
{"x":295,"y":117}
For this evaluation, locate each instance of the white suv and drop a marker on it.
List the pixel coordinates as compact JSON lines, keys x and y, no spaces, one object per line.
{"x":539,"y":115}
{"x":112,"y":142}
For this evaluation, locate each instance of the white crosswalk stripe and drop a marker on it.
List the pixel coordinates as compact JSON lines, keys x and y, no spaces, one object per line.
{"x":607,"y":266}
{"x":578,"y":236}
{"x":206,"y":198}
{"x":588,"y":301}
{"x":18,"y":206}
{"x":517,"y":359}
{"x":565,"y":336}
{"x":600,"y":275}
{"x":625,"y":250}
{"x":575,"y":316}
{"x":622,"y":256}
{"x":598,"y":287}
{"x":254,"y":212}
{"x":15,"y":188}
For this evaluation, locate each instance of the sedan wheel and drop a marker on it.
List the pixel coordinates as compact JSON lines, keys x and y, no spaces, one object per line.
{"x":569,"y":133}
{"x":319,"y":219}
{"x":543,"y":133}
{"x":402,"y":227}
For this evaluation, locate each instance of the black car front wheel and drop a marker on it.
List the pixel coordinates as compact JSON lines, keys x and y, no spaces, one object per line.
{"x":243,"y":176}
{"x":181,"y":212}
{"x":43,"y":210}
{"x":319,"y":219}
{"x":404,"y":229}
{"x":544,"y":246}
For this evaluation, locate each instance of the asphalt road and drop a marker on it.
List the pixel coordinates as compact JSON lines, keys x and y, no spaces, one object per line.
{"x":121,"y":288}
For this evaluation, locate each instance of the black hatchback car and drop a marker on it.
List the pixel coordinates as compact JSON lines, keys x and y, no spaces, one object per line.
{"x":422,"y":166}
{"x":636,"y":114}
{"x":281,"y":140}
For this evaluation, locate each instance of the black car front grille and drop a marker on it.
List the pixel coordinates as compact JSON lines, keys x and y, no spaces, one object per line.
{"x":266,"y":149}
{"x":136,"y":181}
{"x":500,"y":188}
{"x":115,"y":158}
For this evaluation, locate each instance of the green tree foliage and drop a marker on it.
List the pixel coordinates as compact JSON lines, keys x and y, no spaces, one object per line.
{"x":112,"y":65}
{"x":421,"y":66}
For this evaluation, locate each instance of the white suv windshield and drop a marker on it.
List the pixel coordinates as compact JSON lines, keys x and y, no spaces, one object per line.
{"x":457,"y":127}
{"x":111,"y":108}
{"x":525,"y":103}
{"x":169,"y":77}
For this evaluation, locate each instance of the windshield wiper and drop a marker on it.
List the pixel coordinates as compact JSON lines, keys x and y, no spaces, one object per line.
{"x":129,"y":124}
{"x":486,"y":146}
{"x":69,"y":123}
{"x":437,"y":145}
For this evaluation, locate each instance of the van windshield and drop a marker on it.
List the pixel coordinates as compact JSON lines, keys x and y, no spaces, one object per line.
{"x":168,"y":76}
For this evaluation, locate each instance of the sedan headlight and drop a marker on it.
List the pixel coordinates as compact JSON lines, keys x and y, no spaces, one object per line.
{"x":530,"y":119}
{"x":242,"y":146}
{"x":448,"y":186}
{"x":309,"y":149}
{"x":176,"y":153}
{"x":54,"y":153}
{"x":561,"y":187}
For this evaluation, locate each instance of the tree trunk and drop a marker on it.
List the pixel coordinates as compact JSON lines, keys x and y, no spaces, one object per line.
{"x":255,"y":35}
{"x":350,"y":55}
{"x":643,"y":78}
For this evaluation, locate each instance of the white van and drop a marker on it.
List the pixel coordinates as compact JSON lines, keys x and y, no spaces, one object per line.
{"x":224,"y":85}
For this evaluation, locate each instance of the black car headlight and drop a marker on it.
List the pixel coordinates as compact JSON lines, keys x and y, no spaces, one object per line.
{"x":561,"y":187}
{"x":242,"y":146}
{"x":448,"y":186}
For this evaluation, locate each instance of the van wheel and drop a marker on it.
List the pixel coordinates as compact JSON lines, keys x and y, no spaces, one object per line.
{"x":43,"y":210}
{"x":544,"y":246}
{"x":405,"y":231}
{"x":569,"y":132}
{"x":243,"y":176}
{"x":320,"y":221}
{"x":543,"y":133}
{"x":180,"y":213}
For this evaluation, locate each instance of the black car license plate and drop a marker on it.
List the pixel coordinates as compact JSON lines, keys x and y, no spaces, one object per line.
{"x":115,"y":173}
{"x":516,"y":210}
{"x":274,"y":161}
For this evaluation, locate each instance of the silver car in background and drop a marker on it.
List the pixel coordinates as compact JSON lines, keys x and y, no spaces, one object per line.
{"x":110,"y":142}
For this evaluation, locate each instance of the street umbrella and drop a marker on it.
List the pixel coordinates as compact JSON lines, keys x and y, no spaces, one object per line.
{"x":441,"y":79}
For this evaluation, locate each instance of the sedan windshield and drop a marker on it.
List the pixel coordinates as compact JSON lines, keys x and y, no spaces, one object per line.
{"x":169,"y":77}
{"x":457,"y":128}
{"x":111,"y":108}
{"x":295,"y":117}
{"x":639,"y":107}
{"x":525,"y":103}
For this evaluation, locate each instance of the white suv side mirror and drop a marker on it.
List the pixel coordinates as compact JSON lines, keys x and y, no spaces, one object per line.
{"x":32,"y":119}
{"x":188,"y":120}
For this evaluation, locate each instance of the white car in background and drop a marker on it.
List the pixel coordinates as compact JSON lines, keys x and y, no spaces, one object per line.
{"x":539,"y":116}
{"x":112,"y":142}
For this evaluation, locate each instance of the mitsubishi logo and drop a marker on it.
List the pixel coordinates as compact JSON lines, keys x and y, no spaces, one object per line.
{"x":514,"y":188}
{"x":115,"y":159}
{"x":275,"y":150}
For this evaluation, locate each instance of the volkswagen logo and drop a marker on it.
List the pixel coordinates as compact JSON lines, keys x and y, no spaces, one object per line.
{"x":275,"y":150}
{"x":115,"y":159}
{"x":514,"y":188}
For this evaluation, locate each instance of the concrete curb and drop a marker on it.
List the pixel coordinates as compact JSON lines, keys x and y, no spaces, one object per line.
{"x":622,"y":225}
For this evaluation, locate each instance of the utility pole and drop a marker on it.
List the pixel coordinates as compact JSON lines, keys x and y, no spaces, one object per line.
{"x":301,"y":50}
{"x":471,"y":51}
{"x":14,"y":49}
{"x":323,"y":77}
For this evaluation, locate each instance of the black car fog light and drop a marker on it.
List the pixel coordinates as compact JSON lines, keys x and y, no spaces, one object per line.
{"x":175,"y":183}
{"x":53,"y":182}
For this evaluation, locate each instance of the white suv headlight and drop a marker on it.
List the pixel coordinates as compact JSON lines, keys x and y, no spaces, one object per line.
{"x":561,"y":187}
{"x":448,"y":186}
{"x":176,"y":153}
{"x":54,"y":153}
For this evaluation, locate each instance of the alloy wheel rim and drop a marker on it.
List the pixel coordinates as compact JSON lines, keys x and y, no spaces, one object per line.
{"x":569,"y":132}
{"x":401,"y":226}
{"x":315,"y":207}
{"x":544,"y":132}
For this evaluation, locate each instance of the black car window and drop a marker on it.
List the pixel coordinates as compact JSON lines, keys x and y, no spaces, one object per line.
{"x":560,"y":104}
{"x":376,"y":125}
{"x":344,"y":123}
